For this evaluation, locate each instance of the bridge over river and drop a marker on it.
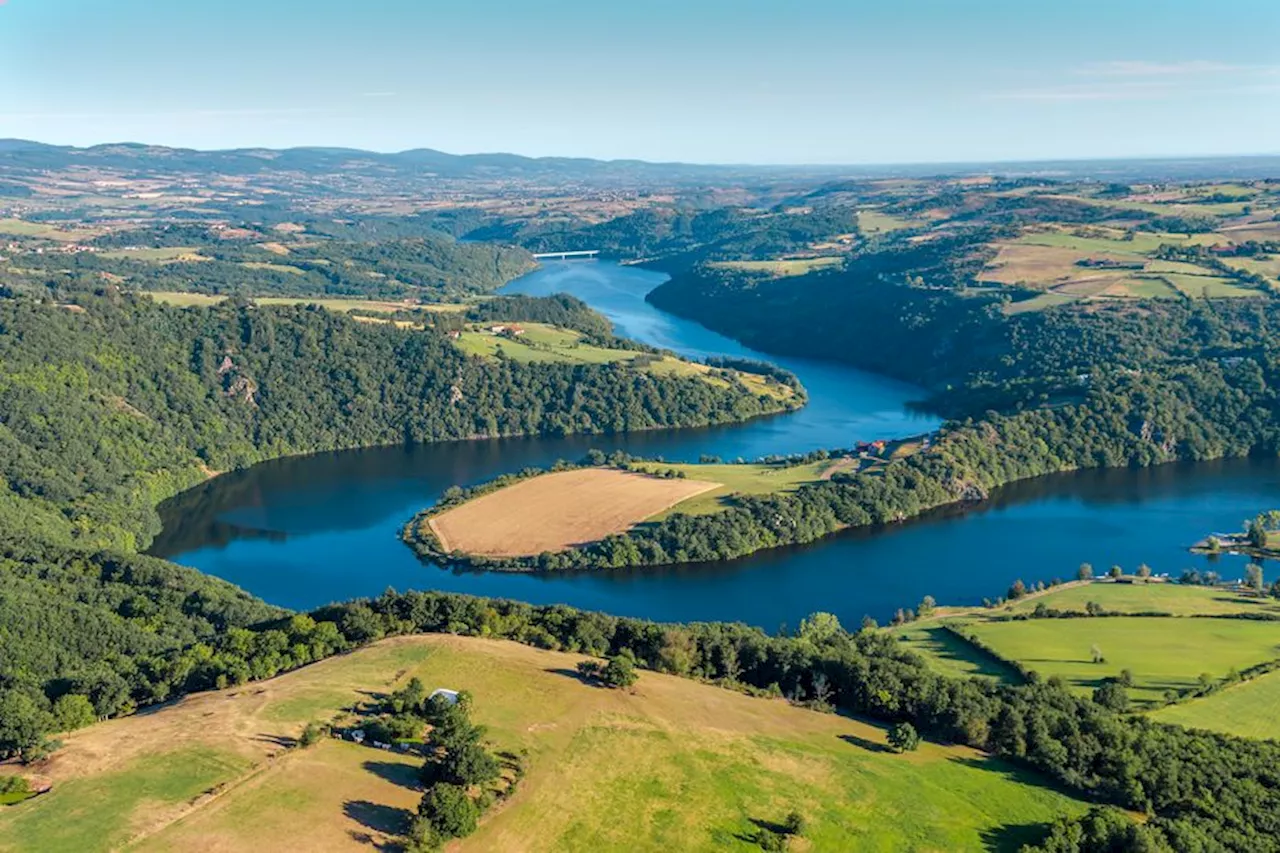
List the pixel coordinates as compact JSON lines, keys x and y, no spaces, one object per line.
{"x":564,"y":256}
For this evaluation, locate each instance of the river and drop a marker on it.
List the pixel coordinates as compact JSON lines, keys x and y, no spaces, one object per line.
{"x":305,"y":531}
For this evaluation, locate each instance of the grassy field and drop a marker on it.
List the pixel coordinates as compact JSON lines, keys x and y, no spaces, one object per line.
{"x":187,"y":300}
{"x":1250,"y":709}
{"x":1039,"y":302}
{"x":1268,"y":265}
{"x":552,"y":512}
{"x":540,"y":343}
{"x":551,"y":344}
{"x":1170,"y":208}
{"x":45,"y":231}
{"x":782,"y":268}
{"x":1174,"y":598}
{"x":1208,"y":285}
{"x":951,"y":655}
{"x":1035,"y":264}
{"x":166,"y":254}
{"x":1162,"y":653}
{"x":734,"y":479}
{"x":671,"y":765}
{"x":1103,"y":240}
{"x":1050,"y":259}
{"x":286,"y":268}
{"x":875,"y":222}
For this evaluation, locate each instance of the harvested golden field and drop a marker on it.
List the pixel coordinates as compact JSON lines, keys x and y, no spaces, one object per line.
{"x":552,"y":512}
{"x":1036,"y":265}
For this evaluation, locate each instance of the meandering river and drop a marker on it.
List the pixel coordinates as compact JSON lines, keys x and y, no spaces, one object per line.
{"x":305,"y":531}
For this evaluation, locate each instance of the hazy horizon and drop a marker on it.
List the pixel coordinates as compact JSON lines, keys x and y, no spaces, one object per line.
{"x":711,"y":164}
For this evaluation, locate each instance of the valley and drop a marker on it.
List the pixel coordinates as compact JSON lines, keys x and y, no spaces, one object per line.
{"x":343,"y":379}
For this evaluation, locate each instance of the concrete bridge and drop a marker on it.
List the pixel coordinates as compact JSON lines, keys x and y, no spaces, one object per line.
{"x":564,"y":256}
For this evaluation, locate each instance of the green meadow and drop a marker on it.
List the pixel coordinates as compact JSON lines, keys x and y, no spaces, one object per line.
{"x":1161,"y":653}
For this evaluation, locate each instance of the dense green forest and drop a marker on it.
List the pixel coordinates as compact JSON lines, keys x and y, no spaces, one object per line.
{"x":716,"y":234}
{"x":115,"y":402}
{"x":429,"y":267}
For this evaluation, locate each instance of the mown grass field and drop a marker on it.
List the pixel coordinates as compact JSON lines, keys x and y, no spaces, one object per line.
{"x":1250,"y":709}
{"x":540,"y":343}
{"x":1051,"y":259}
{"x":952,"y":655}
{"x":1212,"y":286}
{"x":262,"y":265}
{"x":187,"y":300}
{"x":1102,"y":240}
{"x":552,"y":512}
{"x":551,"y":344}
{"x":1161,"y":653}
{"x":164,"y":254}
{"x":1156,"y":597}
{"x":671,"y":765}
{"x":735,"y":479}
{"x":45,"y":231}
{"x":782,"y":268}
{"x":1268,"y":265}
{"x":875,"y":222}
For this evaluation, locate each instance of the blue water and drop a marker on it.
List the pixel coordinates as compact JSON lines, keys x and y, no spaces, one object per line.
{"x":305,"y":531}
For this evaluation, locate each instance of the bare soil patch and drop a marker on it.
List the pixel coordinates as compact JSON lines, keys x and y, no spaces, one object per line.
{"x":556,"y":511}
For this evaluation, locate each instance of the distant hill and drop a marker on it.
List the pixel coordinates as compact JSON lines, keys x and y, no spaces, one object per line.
{"x":24,"y":155}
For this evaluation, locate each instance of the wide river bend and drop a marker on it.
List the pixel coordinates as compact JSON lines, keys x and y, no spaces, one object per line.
{"x":305,"y":531}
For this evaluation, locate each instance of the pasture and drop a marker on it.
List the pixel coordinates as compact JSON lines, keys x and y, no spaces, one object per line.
{"x":1039,"y":265}
{"x":161,"y":255}
{"x":1266,"y":265}
{"x":539,"y":343}
{"x":1161,"y":653}
{"x":1062,"y":263}
{"x":183,"y":299}
{"x":952,"y":655}
{"x":1249,"y":709}
{"x":1156,"y":597}
{"x":555,"y":511}
{"x":1094,"y":239}
{"x":46,"y":231}
{"x":875,"y":222}
{"x":734,"y":479}
{"x":672,"y":764}
{"x":782,"y":268}
{"x":542,"y":343}
{"x":263,"y":265}
{"x":1212,"y":286}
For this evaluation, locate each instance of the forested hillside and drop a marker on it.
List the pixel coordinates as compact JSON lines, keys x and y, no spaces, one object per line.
{"x":115,"y":402}
{"x":246,"y":261}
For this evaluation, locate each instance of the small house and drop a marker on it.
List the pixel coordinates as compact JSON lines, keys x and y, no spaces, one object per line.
{"x":450,"y":696}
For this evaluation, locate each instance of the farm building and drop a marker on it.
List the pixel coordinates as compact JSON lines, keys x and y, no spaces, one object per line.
{"x":451,"y":696}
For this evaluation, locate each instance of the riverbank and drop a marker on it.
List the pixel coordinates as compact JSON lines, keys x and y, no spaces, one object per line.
{"x":1235,"y":543}
{"x":290,"y":530}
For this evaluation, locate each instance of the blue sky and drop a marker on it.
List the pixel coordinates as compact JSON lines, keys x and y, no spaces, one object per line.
{"x":805,"y":81}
